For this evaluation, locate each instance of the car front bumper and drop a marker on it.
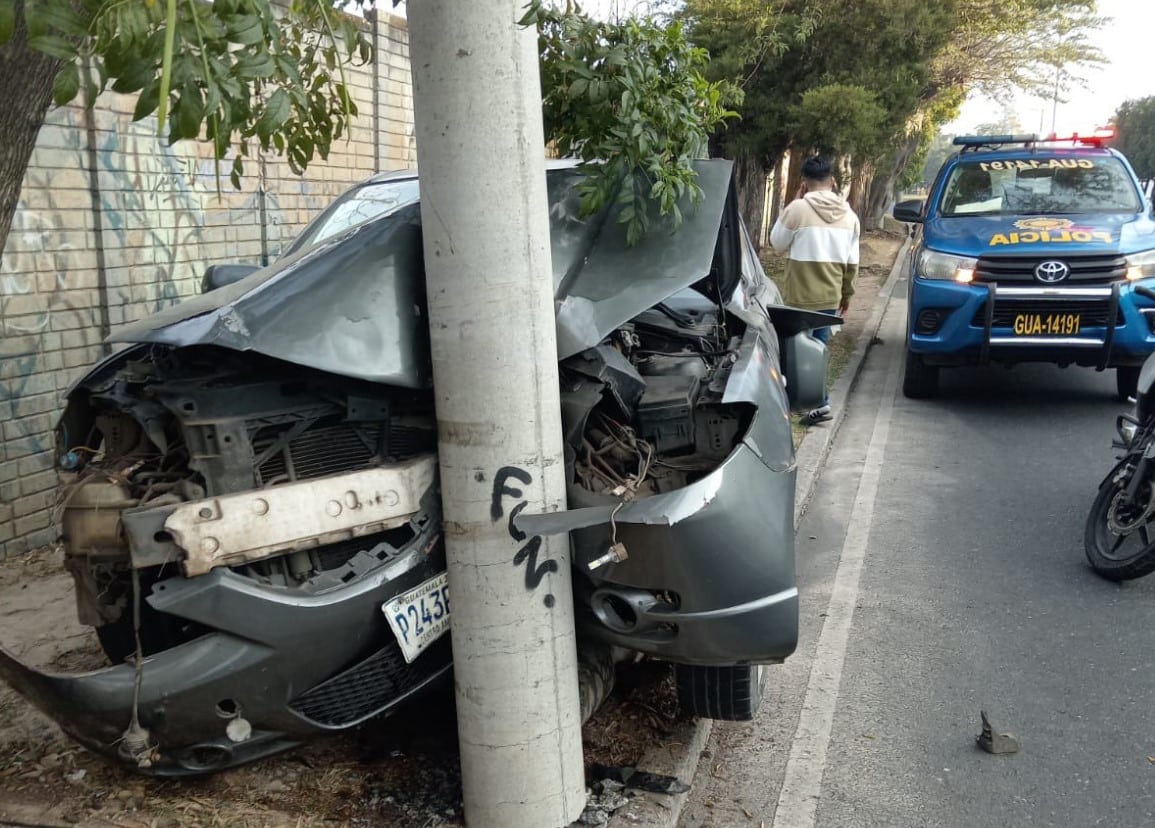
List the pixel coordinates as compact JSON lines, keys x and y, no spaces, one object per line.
{"x":290,"y":666}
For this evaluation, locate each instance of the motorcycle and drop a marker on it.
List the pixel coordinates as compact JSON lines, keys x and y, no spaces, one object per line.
{"x":1119,"y":539}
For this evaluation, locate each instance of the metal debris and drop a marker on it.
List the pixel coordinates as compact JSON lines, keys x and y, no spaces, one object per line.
{"x":640,"y":780}
{"x":994,"y":742}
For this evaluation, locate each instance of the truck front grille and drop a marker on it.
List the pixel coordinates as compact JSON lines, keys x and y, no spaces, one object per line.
{"x":1085,"y":270}
{"x":1092,"y":314}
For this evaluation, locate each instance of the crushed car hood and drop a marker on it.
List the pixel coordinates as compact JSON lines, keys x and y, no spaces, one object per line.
{"x":354,"y":305}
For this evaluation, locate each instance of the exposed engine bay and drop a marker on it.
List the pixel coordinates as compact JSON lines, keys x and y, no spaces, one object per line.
{"x":180,"y":426}
{"x":661,"y":423}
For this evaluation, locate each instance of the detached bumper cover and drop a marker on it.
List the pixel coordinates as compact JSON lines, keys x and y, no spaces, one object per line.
{"x":290,"y":665}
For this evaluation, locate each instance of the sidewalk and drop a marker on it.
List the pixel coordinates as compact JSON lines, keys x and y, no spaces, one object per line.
{"x":678,"y":755}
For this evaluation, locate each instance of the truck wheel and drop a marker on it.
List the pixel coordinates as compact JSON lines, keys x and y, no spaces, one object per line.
{"x":732,"y":693}
{"x":919,"y":381}
{"x":1127,"y":381}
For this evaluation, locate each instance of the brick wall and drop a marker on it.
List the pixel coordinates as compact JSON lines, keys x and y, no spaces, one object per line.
{"x":81,"y":260}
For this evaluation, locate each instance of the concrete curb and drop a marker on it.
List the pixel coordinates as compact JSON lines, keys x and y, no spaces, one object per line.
{"x":678,"y":755}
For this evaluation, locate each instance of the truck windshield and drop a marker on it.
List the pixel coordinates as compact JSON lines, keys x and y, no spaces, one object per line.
{"x":1039,"y":185}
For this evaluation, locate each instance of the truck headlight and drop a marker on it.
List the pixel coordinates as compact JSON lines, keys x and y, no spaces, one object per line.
{"x":942,"y":266}
{"x":1141,"y":265}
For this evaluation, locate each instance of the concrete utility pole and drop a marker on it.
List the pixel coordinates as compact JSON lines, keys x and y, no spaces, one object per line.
{"x":480,"y":150}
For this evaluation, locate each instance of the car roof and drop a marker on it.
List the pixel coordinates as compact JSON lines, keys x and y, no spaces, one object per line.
{"x":411,"y":174}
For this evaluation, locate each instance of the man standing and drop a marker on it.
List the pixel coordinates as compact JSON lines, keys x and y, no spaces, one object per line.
{"x":820,"y":233}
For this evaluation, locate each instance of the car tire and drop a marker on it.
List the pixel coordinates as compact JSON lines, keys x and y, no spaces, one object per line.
{"x":732,"y":693}
{"x":1127,"y":381}
{"x":919,"y":380}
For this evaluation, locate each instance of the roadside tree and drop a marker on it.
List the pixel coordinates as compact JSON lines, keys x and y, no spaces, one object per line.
{"x":917,"y":62}
{"x":1135,"y":134}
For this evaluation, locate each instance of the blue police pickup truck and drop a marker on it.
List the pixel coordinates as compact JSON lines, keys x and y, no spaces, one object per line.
{"x":1029,"y":250}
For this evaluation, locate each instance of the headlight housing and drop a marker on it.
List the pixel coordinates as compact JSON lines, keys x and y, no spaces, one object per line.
{"x":1141,"y":265}
{"x":943,"y":266}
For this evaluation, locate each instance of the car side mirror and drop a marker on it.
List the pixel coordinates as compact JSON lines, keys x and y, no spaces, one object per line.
{"x":909,"y":211}
{"x":219,"y":275}
{"x":804,"y":360}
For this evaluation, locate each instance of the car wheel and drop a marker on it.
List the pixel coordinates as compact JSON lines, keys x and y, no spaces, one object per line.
{"x":919,"y":381}
{"x":732,"y":693}
{"x":1127,"y":381}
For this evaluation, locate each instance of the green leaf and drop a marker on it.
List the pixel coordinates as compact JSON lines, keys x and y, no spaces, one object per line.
{"x":245,"y":29}
{"x":55,"y":17}
{"x":54,"y":46}
{"x":146,"y":102}
{"x":7,"y":19}
{"x":133,"y":76}
{"x":188,"y":115}
{"x":256,"y":66}
{"x":277,"y":111}
{"x":66,"y":84}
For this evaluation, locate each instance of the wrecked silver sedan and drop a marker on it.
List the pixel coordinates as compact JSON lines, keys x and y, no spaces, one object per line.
{"x":250,"y":495}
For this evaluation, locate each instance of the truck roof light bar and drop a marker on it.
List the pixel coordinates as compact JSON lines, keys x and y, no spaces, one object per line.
{"x":977,"y":141}
{"x":1095,"y":139}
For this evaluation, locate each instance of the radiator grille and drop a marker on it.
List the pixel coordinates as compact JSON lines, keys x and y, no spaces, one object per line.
{"x":371,"y":686}
{"x":337,"y":448}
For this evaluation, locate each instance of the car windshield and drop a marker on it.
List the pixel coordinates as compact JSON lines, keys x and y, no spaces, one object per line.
{"x":1039,"y":185}
{"x":358,"y":206}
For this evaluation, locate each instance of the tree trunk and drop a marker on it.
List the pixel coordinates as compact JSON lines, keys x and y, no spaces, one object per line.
{"x":750,"y":177}
{"x":25,"y":94}
{"x":881,"y":197}
{"x":859,"y":183}
{"x":793,"y":175}
{"x":775,"y":191}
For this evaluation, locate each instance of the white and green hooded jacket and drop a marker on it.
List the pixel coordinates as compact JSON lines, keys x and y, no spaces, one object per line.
{"x":821,"y":232}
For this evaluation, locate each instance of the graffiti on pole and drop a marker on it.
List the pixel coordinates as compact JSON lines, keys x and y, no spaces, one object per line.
{"x":527,"y":555}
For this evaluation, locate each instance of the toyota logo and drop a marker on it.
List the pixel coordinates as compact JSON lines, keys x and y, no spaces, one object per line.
{"x":1052,"y":271}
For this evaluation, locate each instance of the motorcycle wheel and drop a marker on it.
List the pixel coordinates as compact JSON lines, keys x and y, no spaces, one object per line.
{"x":1113,"y":556}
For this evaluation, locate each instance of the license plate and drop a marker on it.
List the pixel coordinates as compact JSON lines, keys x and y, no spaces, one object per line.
{"x":1046,"y":324}
{"x":420,"y":616}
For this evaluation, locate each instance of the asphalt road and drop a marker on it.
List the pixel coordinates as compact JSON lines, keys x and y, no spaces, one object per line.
{"x":941,"y":570}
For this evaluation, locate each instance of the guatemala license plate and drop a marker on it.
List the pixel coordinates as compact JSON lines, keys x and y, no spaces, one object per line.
{"x":420,"y":616}
{"x":1046,"y":324}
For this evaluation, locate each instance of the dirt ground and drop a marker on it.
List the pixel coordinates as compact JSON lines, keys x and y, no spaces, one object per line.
{"x":403,"y":771}
{"x":877,"y":252}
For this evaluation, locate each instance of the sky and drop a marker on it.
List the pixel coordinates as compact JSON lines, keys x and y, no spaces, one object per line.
{"x":1126,"y":44}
